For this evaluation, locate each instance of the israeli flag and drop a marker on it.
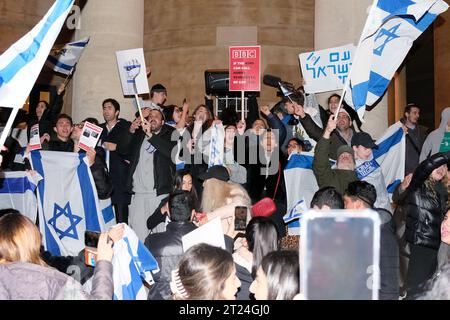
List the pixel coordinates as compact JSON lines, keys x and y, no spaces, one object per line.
{"x":216,"y":151}
{"x":390,"y":30}
{"x":66,"y":58}
{"x":68,"y":203}
{"x":17,"y":192}
{"x":301,"y":184}
{"x":21,"y":64}
{"x":390,"y":155}
{"x":132,"y":263}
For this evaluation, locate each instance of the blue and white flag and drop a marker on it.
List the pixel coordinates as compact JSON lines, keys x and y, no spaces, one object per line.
{"x":293,"y":217}
{"x":390,"y":155}
{"x":22,"y":63}
{"x":216,"y":151}
{"x":132,"y":263}
{"x":390,"y":30}
{"x":301,"y":184}
{"x":66,"y":58}
{"x":17,"y":192}
{"x":68,"y":203}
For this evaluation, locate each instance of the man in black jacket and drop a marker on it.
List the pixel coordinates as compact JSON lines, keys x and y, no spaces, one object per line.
{"x":148,"y":146}
{"x":362,"y":195}
{"x":167,"y":247}
{"x":113,"y":129}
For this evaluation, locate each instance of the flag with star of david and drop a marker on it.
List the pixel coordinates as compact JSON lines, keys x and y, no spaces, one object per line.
{"x":390,"y":30}
{"x":68,"y":203}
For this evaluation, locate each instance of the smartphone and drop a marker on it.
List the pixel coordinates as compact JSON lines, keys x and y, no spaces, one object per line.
{"x":340,"y":255}
{"x":240,"y":218}
{"x":91,"y":238}
{"x":90,"y":256}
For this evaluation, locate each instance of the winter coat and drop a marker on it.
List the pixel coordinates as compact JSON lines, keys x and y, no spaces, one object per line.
{"x":27,"y":281}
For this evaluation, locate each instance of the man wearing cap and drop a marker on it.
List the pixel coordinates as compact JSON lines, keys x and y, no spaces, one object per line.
{"x":342,"y":135}
{"x":344,"y":173}
{"x":362,"y":195}
{"x":217,"y":172}
{"x":368,"y":169}
{"x":158,"y":96}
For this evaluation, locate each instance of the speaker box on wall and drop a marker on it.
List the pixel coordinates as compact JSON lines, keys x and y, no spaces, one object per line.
{"x":217,"y":81}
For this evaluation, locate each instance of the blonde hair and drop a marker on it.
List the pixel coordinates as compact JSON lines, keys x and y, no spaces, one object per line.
{"x":217,"y":193}
{"x":20,"y":240}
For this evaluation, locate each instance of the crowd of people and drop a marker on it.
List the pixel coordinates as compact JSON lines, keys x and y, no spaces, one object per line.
{"x":156,"y":170}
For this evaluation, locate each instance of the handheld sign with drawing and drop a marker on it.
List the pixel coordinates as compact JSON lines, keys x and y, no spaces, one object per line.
{"x":35,"y":139}
{"x":89,"y":136}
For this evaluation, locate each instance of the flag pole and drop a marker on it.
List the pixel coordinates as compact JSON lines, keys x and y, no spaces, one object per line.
{"x":8,"y":126}
{"x":137,"y":100}
{"x":70,"y":75}
{"x":347,"y":82}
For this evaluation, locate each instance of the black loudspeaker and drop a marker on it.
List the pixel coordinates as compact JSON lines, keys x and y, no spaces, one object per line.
{"x":217,"y":82}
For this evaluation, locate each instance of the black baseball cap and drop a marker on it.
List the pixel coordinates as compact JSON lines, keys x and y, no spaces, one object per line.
{"x":158,"y":88}
{"x":363,"y":139}
{"x":217,"y":172}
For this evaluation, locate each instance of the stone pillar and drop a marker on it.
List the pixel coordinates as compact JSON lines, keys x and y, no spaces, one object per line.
{"x":338,"y":23}
{"x":113,"y":25}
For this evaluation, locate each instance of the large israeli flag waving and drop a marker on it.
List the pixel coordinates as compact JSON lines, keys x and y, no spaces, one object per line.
{"x":390,"y":155}
{"x":66,"y":58}
{"x":21,"y":64}
{"x":68,"y":202}
{"x":17,"y":192}
{"x":301,"y":184}
{"x":390,"y":30}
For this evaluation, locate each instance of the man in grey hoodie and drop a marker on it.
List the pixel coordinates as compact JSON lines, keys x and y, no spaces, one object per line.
{"x":435,"y":142}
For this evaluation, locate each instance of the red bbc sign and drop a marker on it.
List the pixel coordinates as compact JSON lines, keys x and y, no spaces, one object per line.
{"x":245,"y":70}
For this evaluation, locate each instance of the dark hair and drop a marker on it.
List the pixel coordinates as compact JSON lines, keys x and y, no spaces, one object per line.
{"x":203,"y":270}
{"x":262,"y":237}
{"x":9,"y":210}
{"x":91,"y":120}
{"x":299,"y":142}
{"x":168,"y":112}
{"x":409,"y":106}
{"x":283,"y":274}
{"x":46,"y":104}
{"x":181,"y":204}
{"x":63,"y":116}
{"x":203,"y":106}
{"x":114,"y":102}
{"x":362,"y":190}
{"x":327,"y":196}
{"x":229,"y":116}
{"x":332,"y":96}
{"x":178,"y":183}
{"x":297,"y":97}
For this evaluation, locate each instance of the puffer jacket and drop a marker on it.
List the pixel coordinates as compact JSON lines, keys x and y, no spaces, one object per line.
{"x":167,"y":248}
{"x":425,"y":208}
{"x":27,"y":281}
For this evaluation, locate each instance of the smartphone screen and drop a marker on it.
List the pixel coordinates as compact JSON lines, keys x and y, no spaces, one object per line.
{"x":339,"y":255}
{"x":90,"y":257}
{"x":240,"y":218}
{"x":91,"y":238}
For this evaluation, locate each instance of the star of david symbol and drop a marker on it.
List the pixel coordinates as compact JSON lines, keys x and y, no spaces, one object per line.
{"x":389,"y":34}
{"x":58,"y":212}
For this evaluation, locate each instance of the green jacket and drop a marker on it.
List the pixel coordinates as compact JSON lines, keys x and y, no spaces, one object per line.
{"x":327,"y":177}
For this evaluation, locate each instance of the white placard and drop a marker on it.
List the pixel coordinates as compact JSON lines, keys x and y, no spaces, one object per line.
{"x":210,"y":233}
{"x":89,"y":136}
{"x":326,"y":70}
{"x":131,"y":65}
{"x":35,"y":139}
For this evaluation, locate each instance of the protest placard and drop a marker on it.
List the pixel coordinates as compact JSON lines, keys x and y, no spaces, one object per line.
{"x":326,"y":70}
{"x":35,"y":139}
{"x":89,"y":136}
{"x":210,"y":233}
{"x":132,"y":71}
